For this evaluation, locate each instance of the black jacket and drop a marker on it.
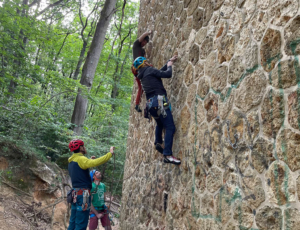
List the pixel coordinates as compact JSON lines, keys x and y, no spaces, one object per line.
{"x":151,"y":80}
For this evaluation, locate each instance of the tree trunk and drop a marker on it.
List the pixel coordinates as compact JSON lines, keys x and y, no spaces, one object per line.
{"x":80,"y":61}
{"x":13,"y":84}
{"x":90,"y":65}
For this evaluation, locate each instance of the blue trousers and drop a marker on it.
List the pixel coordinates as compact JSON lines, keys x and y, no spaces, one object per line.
{"x":162,"y":122}
{"x":79,"y":219}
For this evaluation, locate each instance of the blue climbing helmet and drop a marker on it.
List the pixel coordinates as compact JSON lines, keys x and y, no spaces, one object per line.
{"x":138,"y":62}
{"x":92,"y":173}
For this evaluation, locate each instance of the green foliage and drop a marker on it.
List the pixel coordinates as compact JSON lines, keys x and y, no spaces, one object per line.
{"x":38,"y":58}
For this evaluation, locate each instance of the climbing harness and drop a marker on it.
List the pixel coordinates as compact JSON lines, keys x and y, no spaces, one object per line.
{"x":163,"y":105}
{"x":74,"y":195}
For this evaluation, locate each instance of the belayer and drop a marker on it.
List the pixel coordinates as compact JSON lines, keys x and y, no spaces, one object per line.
{"x":158,"y":105}
{"x":138,"y":51}
{"x":98,"y":207}
{"x":79,"y":172}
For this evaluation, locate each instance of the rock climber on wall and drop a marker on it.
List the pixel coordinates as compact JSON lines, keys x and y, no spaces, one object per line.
{"x":158,"y":105}
{"x":138,"y":51}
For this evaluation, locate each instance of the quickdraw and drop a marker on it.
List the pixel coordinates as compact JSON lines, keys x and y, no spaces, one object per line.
{"x":74,"y":195}
{"x":86,"y":195}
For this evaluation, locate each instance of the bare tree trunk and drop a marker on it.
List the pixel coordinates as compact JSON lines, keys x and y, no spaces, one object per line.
{"x":90,"y":65}
{"x":85,"y":39}
{"x":80,"y":61}
{"x":13,"y":84}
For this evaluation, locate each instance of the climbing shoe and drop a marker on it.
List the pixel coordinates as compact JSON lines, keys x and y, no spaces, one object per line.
{"x":159,"y":148}
{"x":172,"y":160}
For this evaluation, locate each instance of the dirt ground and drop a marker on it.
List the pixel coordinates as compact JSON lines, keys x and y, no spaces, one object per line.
{"x":17,"y":213}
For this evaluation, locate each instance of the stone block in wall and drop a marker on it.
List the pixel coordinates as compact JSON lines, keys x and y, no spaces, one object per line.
{"x":213,"y":23}
{"x":223,"y":202}
{"x":194,"y":54}
{"x":210,"y":64}
{"x":249,"y":8}
{"x":221,"y":31}
{"x":291,"y":219}
{"x":214,"y":179}
{"x":170,"y":14}
{"x":200,"y":111}
{"x":207,"y":205}
{"x":211,"y":106}
{"x":193,"y":5}
{"x":203,"y":144}
{"x":218,"y":4}
{"x":190,"y":222}
{"x":288,"y":148}
{"x":224,"y":159}
{"x":189,"y":75}
{"x":200,"y":35}
{"x":199,"y":70}
{"x":252,"y":128}
{"x":251,"y":56}
{"x":284,"y":74}
{"x":262,"y":154}
{"x":219,"y":78}
{"x":243,"y":214}
{"x":270,"y":50}
{"x":263,"y":4}
{"x":231,"y":226}
{"x":191,"y":96}
{"x":272,"y":112}
{"x":259,"y":24}
{"x":282,"y":11}
{"x":234,"y":128}
{"x":269,"y":218}
{"x":213,"y":223}
{"x":227,"y":8}
{"x":242,"y":159}
{"x":250,"y":92}
{"x":291,"y":36}
{"x":208,"y":7}
{"x":243,"y":41}
{"x":226,"y":101}
{"x":253,"y":189}
{"x":198,"y":18}
{"x":182,"y":97}
{"x":200,"y":178}
{"x":226,"y":49}
{"x":182,"y":18}
{"x":294,"y":109}
{"x":236,"y":22}
{"x":186,"y":29}
{"x":185,"y":120}
{"x":203,"y":87}
{"x":206,"y":47}
{"x":281,"y":188}
{"x":178,"y":8}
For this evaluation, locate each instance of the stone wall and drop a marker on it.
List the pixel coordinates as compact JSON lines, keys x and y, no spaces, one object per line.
{"x":235,"y":95}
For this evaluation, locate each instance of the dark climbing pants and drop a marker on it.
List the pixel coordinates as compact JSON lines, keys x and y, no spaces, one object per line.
{"x":79,"y":219}
{"x":162,"y":122}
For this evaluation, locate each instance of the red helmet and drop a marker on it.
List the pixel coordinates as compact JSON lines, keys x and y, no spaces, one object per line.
{"x":75,"y":144}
